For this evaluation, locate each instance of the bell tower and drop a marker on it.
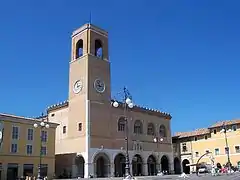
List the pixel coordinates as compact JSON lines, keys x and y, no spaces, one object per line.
{"x":89,"y":80}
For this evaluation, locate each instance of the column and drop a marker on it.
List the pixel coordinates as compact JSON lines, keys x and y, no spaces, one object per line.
{"x":88,"y":170}
{"x":112,"y":170}
{"x":20,"y":170}
{"x":145,"y":169}
{"x":4,"y":171}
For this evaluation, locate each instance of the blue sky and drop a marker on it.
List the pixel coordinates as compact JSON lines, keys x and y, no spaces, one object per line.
{"x":181,"y":57}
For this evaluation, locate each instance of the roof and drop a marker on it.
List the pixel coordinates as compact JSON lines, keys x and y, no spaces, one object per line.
{"x":203,"y":131}
{"x":196,"y":132}
{"x":21,"y":119}
{"x":227,"y":122}
{"x":136,"y":108}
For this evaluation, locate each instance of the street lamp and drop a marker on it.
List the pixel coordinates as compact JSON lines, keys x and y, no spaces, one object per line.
{"x":158,"y":140}
{"x":225,"y":131}
{"x":127,"y":104}
{"x":42,"y":125}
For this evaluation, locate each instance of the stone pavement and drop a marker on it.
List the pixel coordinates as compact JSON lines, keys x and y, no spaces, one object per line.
{"x":234,"y":176}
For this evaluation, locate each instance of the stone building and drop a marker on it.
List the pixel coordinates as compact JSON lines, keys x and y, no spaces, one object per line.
{"x":194,"y":144}
{"x":90,"y":139}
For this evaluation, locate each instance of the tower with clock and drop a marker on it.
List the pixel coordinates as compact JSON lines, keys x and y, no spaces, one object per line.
{"x":89,"y":86}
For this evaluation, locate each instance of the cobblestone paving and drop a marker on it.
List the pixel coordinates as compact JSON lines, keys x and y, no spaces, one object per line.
{"x":235,"y":176}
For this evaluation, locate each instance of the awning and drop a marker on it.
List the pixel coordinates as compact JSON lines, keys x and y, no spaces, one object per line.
{"x":191,"y":164}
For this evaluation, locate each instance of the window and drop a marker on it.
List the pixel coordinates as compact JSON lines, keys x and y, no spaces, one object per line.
{"x":15,"y":132}
{"x":234,"y":127}
{"x":217,"y":151}
{"x":150,"y":130}
{"x":226,"y":150}
{"x":197,"y":154}
{"x":162,"y":131}
{"x":44,"y":136}
{"x":138,"y":127}
{"x":30,"y":135}
{"x":205,"y":137}
{"x":79,"y":126}
{"x":121,"y":124}
{"x":195,"y":138}
{"x":14,"y":148}
{"x":29,"y":149}
{"x":184,"y":147}
{"x":44,"y":150}
{"x":52,"y":114}
{"x":215,"y":131}
{"x":64,"y":129}
{"x":237,"y":149}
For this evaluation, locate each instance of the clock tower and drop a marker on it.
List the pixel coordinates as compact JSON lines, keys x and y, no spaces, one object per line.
{"x":89,"y":84}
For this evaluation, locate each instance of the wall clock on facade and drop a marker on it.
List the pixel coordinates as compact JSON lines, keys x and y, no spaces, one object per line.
{"x":99,"y":85}
{"x":77,"y":87}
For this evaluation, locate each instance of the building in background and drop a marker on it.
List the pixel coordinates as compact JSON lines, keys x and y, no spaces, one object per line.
{"x":196,"y":143}
{"x":20,"y":147}
{"x":90,"y":139}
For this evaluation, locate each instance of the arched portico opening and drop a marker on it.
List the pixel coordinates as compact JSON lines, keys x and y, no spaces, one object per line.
{"x":165,"y":164}
{"x":137,"y":165}
{"x":152,"y":165}
{"x":102,"y":165}
{"x":119,"y":165}
{"x":177,"y":165}
{"x":79,"y":163}
{"x":186,"y":169}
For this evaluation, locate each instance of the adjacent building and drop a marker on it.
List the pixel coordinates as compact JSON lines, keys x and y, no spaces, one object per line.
{"x":190,"y":146}
{"x":20,"y":147}
{"x":90,"y":139}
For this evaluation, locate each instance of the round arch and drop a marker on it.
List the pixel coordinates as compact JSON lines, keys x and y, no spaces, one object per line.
{"x":137,"y":165}
{"x":177,"y":165}
{"x":152,"y":165}
{"x":79,"y":163}
{"x":101,"y":165}
{"x":186,"y":169}
{"x":165,"y":164}
{"x":119,"y":165}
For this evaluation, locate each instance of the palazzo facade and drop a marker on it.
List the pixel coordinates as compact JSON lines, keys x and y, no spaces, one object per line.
{"x":90,"y":138}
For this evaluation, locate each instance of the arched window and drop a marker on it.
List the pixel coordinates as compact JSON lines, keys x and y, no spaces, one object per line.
{"x":98,"y":48}
{"x":79,"y":48}
{"x":138,"y":127}
{"x":162,"y":131}
{"x":121,"y":124}
{"x":150,"y":129}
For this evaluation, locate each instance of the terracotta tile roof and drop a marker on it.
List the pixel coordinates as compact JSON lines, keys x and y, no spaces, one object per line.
{"x":196,"y":132}
{"x":227,"y":122}
{"x":136,"y":108}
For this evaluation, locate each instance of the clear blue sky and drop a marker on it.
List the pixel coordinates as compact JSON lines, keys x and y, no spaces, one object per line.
{"x":181,"y":57}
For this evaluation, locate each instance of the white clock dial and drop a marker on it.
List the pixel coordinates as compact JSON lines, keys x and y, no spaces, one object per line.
{"x":1,"y":135}
{"x":77,"y":87}
{"x":99,"y":85}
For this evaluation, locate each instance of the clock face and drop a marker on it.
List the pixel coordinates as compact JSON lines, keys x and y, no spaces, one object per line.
{"x":99,"y":85}
{"x":77,"y":87}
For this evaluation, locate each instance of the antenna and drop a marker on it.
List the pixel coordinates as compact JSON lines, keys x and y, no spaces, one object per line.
{"x":90,"y":18}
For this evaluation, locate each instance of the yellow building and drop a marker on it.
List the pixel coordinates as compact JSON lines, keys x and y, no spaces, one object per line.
{"x":194,"y":144}
{"x":20,"y":147}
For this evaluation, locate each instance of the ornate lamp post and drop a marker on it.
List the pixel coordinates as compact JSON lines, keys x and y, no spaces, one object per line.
{"x":42,"y":125}
{"x":225,"y":131}
{"x":158,"y":140}
{"x":127,"y":104}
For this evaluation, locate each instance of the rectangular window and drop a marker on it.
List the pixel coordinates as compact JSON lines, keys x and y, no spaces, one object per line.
{"x":44,"y":150}
{"x":15,"y":132}
{"x":237,"y":149}
{"x":215,"y":131}
{"x":79,"y":126}
{"x":184,"y":147}
{"x":195,"y":138}
{"x":64,"y":129}
{"x":30,"y":135}
{"x":234,"y":127}
{"x":205,"y":137}
{"x":217,"y":151}
{"x":226,"y":150}
{"x":29,"y":149}
{"x":44,"y":136}
{"x":14,"y":148}
{"x":197,"y":154}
